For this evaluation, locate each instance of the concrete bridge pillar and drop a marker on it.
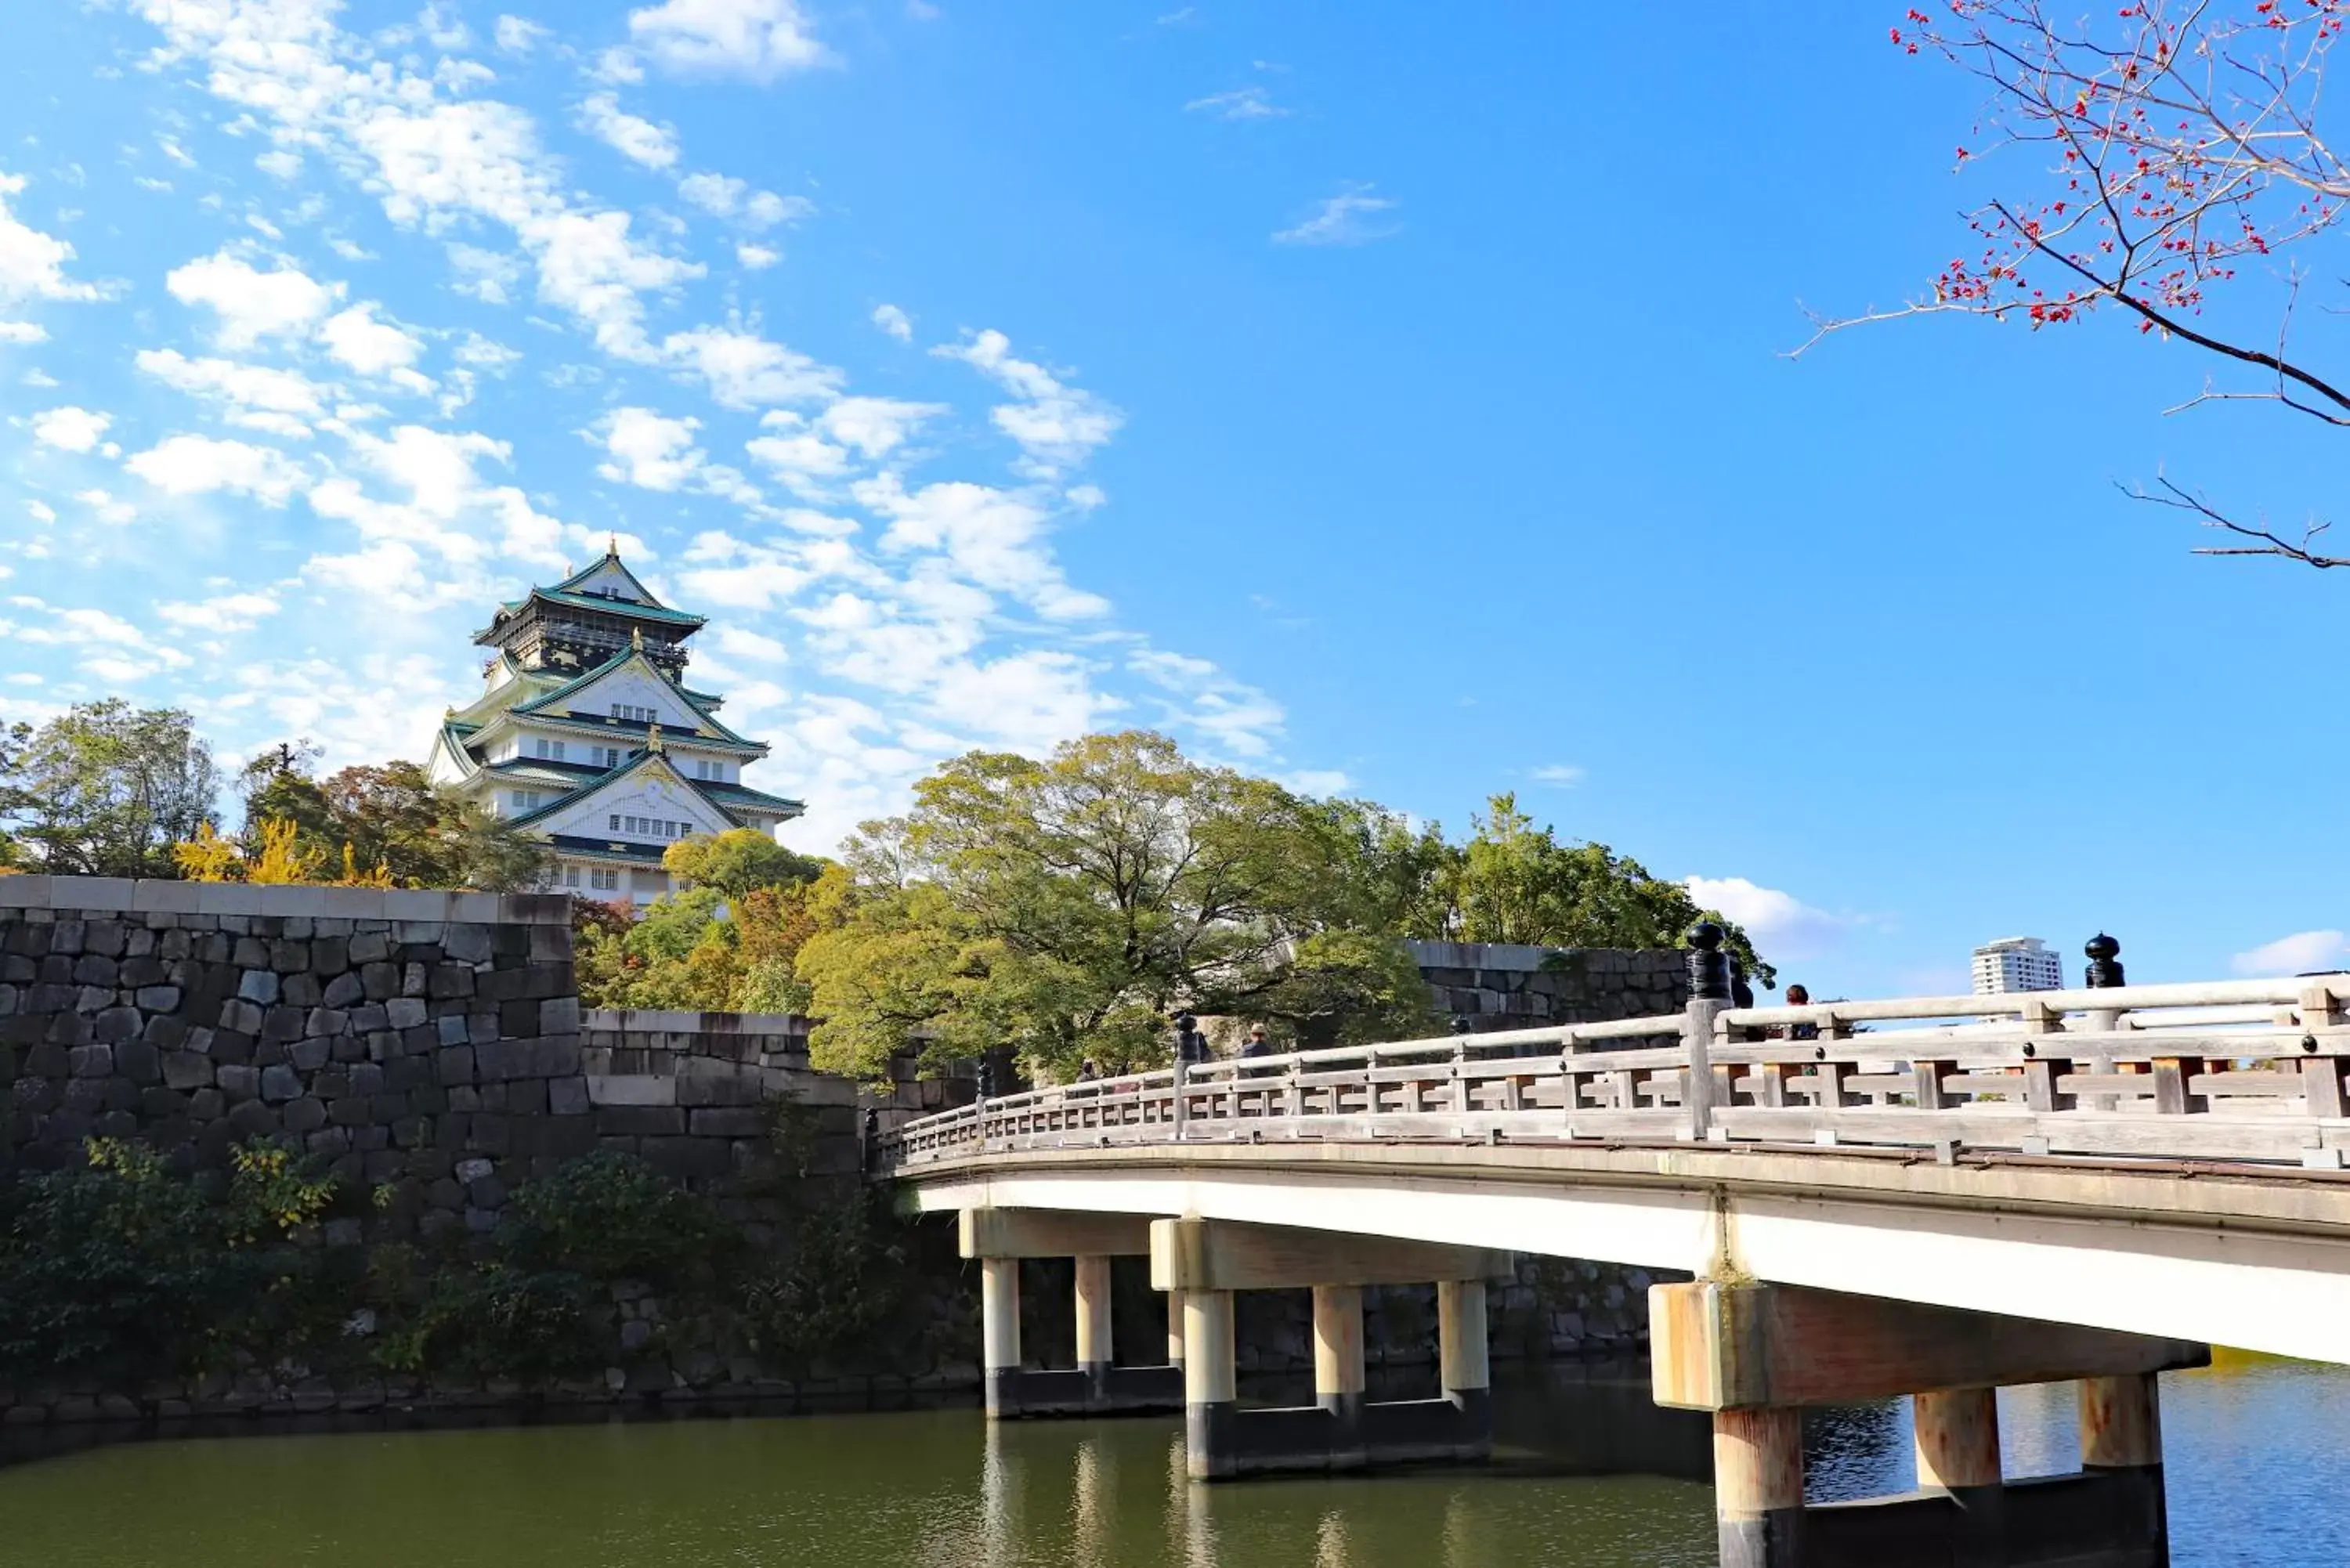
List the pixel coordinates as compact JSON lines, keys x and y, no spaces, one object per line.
{"x":999,"y":1334}
{"x":1207,"y":1261}
{"x":998,"y":1238}
{"x":1338,"y":1380}
{"x":1210,"y":1383}
{"x":1094,"y":1325}
{"x":1464,"y":1370}
{"x":1757,"y":1356}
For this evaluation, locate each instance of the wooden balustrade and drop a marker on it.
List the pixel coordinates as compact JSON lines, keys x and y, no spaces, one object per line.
{"x":2237,"y":1070}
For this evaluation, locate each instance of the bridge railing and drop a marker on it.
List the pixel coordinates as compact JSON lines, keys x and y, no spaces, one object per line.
{"x":2228,"y":1070}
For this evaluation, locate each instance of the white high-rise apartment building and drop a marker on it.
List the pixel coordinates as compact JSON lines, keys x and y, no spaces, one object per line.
{"x":2017,"y":963}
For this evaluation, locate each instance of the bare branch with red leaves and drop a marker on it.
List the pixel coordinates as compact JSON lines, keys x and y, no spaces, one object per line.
{"x":2183,"y":141}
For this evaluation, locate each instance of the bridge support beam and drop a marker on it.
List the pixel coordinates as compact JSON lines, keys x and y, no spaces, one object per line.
{"x":1756,"y":1356}
{"x":1207,"y":1261}
{"x":999,"y":1239}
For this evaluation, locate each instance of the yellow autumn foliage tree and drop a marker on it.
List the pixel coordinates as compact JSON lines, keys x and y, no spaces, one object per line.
{"x":272,"y":858}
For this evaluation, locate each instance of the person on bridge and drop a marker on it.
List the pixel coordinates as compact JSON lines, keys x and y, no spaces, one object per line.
{"x":1799,"y":995}
{"x":1191,"y":1044}
{"x":1256,"y":1044}
{"x":1089,"y":1071}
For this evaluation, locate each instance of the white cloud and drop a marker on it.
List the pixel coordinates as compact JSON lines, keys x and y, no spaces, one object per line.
{"x":1056,"y":425}
{"x":877,"y":426}
{"x":22,"y":332}
{"x":994,"y":538}
{"x":279,"y":164}
{"x":486,"y":354}
{"x":32,"y":263}
{"x":737,"y":642}
{"x":251,"y":304}
{"x":649,"y":450}
{"x":798,"y":455}
{"x":1352,"y":217}
{"x":758,"y":39}
{"x":756,"y":258}
{"x":485,"y":274}
{"x":258,"y":396}
{"x":895,"y":322}
{"x":193,"y":465}
{"x":635,"y":138}
{"x":744,"y":370}
{"x":69,"y":429}
{"x":1240,"y":103}
{"x":518,"y":34}
{"x":2295,"y":954}
{"x":1559,"y":776}
{"x":380,"y":349}
{"x":723,"y":196}
{"x":42,"y":512}
{"x":106,"y":508}
{"x":111,"y":649}
{"x":221,"y":615}
{"x":1241,"y":721}
{"x":1781,"y":925}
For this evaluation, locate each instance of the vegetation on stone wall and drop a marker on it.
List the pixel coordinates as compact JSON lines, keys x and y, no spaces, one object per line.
{"x":120,"y":1273}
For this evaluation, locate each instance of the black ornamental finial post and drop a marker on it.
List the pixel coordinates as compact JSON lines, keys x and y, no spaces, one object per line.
{"x":1709,"y":967}
{"x":2105,"y":968}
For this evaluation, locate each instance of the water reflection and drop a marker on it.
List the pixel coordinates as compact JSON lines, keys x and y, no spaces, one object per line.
{"x":1587,"y":1472}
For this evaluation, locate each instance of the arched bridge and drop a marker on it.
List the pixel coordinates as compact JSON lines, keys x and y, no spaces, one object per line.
{"x":1931,"y":1196}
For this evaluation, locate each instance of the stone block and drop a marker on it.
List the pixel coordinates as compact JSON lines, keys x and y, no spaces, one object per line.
{"x":567,"y":1096}
{"x":143,"y":969}
{"x":687,"y":1158}
{"x":105,"y":938}
{"x":380,"y":980}
{"x":116,"y":1024}
{"x":137,"y":1062}
{"x":302,"y":990}
{"x":92,"y":1061}
{"x":728,"y":1122}
{"x":289,"y":957}
{"x":467,"y":943}
{"x":367,"y":946}
{"x":449,"y":979}
{"x":258,"y":985}
{"x":637,"y":1121}
{"x":404,"y":1012}
{"x":95,"y":969}
{"x":559,"y":1015}
{"x":238,"y":1082}
{"x":280,"y":1082}
{"x":310,"y":1054}
{"x":187,"y":1070}
{"x":305,"y":1114}
{"x":630,"y":1089}
{"x":159,"y":998}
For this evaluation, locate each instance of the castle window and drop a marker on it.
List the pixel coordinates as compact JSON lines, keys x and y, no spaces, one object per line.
{"x":603,"y":879}
{"x":525,"y":800}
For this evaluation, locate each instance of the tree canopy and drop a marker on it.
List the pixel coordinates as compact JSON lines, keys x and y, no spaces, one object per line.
{"x":105,"y":790}
{"x":1064,"y":907}
{"x":388,"y":815}
{"x":728,"y":944}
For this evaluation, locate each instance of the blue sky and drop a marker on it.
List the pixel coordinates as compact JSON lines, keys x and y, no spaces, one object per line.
{"x":1381,"y":397}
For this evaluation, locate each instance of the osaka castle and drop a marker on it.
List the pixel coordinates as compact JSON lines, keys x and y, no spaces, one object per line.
{"x":587,"y":736}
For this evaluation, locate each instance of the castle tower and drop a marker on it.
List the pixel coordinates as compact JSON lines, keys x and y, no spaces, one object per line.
{"x":587,"y":736}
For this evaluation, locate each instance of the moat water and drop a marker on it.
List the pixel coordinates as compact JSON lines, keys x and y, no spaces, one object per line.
{"x":1589,"y":1473}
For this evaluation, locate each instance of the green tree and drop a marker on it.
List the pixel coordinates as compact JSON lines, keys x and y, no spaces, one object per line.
{"x":389,"y":814}
{"x":106,"y":789}
{"x":1513,"y":882}
{"x":1064,"y":907}
{"x":739,"y":861}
